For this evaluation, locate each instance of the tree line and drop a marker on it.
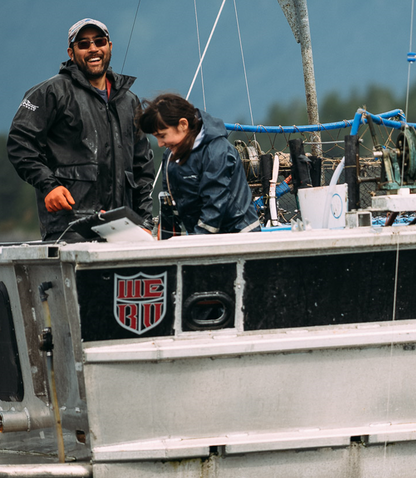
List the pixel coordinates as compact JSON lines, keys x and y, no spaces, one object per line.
{"x":18,"y":214}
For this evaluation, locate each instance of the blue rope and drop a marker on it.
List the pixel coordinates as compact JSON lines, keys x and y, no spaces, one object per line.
{"x":382,"y":118}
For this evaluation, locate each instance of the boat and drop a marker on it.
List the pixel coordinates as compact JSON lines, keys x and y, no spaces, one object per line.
{"x":287,"y":352}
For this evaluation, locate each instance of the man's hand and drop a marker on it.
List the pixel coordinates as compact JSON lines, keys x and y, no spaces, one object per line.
{"x":59,"y":198}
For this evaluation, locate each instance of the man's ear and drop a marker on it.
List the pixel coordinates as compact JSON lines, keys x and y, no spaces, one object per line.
{"x":71,"y":53}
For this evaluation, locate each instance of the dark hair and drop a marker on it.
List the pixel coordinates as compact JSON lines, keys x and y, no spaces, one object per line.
{"x":164,"y":111}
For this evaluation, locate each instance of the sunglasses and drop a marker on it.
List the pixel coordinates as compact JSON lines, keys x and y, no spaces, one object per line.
{"x":85,"y":44}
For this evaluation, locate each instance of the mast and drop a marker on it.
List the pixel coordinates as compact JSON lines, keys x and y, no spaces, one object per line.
{"x":296,"y":13}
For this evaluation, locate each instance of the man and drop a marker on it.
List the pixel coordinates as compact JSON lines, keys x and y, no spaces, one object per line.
{"x":73,"y":138}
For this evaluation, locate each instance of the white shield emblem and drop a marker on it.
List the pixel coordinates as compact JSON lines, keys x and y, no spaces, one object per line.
{"x":140,"y":301}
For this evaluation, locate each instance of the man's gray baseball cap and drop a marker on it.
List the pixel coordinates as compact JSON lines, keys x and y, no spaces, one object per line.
{"x":86,"y":22}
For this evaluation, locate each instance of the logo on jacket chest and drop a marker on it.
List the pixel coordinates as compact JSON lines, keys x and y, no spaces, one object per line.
{"x":140,"y":301}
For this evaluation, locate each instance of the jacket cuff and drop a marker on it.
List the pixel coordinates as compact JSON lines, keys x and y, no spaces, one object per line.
{"x":49,"y":186}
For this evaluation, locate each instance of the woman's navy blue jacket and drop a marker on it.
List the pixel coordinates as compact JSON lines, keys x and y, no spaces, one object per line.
{"x":211,"y":190}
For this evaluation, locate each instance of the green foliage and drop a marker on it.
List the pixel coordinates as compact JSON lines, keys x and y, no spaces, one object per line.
{"x":334,"y":107}
{"x":294,"y":113}
{"x":411,"y":107}
{"x":18,"y":214}
{"x":337,"y":107}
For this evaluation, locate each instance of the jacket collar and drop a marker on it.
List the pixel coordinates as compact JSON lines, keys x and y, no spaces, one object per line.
{"x":118,"y":81}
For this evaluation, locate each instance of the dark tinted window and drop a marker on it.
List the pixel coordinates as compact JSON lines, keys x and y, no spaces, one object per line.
{"x":11,"y":383}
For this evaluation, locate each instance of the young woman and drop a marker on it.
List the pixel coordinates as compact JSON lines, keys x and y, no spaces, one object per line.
{"x":202,"y":171}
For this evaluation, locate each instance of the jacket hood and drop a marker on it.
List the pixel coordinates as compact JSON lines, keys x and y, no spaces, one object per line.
{"x":213,"y":127}
{"x":119,"y":81}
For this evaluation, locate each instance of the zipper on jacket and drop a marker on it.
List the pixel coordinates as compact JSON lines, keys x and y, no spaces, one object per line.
{"x":108,"y":113}
{"x":113,"y":159}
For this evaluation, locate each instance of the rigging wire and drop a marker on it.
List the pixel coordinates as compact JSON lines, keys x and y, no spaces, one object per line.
{"x":205,"y":50}
{"x":201,"y":59}
{"x":122,"y":69}
{"x":131,"y":34}
{"x":410,"y":60}
{"x":396,"y":279}
{"x":199,"y":52}
{"x":244,"y":65}
{"x":396,"y":269}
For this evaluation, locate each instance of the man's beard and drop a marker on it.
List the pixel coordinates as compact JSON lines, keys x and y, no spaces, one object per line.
{"x":91,"y":75}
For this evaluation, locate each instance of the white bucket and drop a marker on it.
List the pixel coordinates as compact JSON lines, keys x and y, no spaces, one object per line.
{"x":312,"y":202}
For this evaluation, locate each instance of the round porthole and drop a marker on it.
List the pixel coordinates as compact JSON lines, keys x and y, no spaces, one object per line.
{"x":208,"y":310}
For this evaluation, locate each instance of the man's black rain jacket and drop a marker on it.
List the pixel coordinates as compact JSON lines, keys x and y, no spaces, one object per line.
{"x":65,"y":134}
